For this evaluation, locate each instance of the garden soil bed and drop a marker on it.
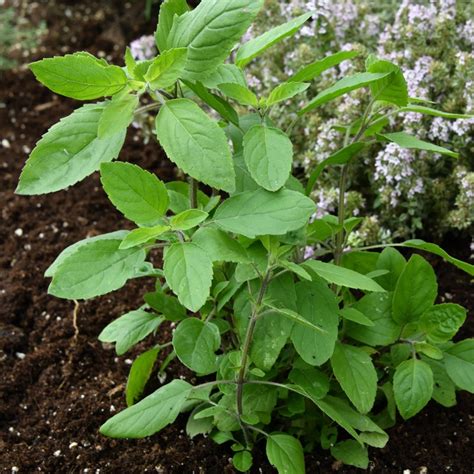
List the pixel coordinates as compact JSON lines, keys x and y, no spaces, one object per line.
{"x":59,"y":385}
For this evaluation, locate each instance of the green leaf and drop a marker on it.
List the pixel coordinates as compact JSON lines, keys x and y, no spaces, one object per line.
{"x":428,"y":350}
{"x":285,"y":91}
{"x":317,"y":304}
{"x":313,"y":70}
{"x":393,"y":261}
{"x":95,"y":269}
{"x":167,"y":305}
{"x":341,"y":157}
{"x":79,"y":76}
{"x":341,"y":87}
{"x":442,"y":321}
{"x":354,"y":315}
{"x":350,"y":452}
{"x":421,"y":109}
{"x":261,"y":212}
{"x":151,"y":414}
{"x":225,"y":74}
{"x":444,"y":390}
{"x":143,"y":235}
{"x":220,"y":105}
{"x":196,"y":143}
{"x":412,"y":386}
{"x":268,"y":154}
{"x":392,"y":88}
{"x":117,"y":115}
{"x":129,"y":329}
{"x":296,"y":269}
{"x":355,"y":372}
{"x":196,"y":426}
{"x":459,"y":363}
{"x":188,"y":272}
{"x":168,"y":10}
{"x":313,"y":381}
{"x":188,"y":219}
{"x":285,"y":453}
{"x":210,"y":31}
{"x":404,"y":140}
{"x":139,"y":374}
{"x":219,"y":246}
{"x":51,"y":270}
{"x":257,"y":46}
{"x":130,"y":62}
{"x":68,"y":152}
{"x":242,"y":94}
{"x":242,"y":461}
{"x":138,"y":194}
{"x":167,"y":68}
{"x":195,"y":343}
{"x":273,"y":330}
{"x":378,"y":308}
{"x":415,"y":292}
{"x":437,"y":250}
{"x":342,"y":276}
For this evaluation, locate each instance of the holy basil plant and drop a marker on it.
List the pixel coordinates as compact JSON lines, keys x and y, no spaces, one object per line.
{"x":303,"y":343}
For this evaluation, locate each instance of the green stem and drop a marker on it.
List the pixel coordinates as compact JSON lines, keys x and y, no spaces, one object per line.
{"x":246,"y":349}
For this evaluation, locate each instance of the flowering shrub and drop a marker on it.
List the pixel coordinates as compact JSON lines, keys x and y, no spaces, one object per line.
{"x":403,"y":191}
{"x":293,"y":350}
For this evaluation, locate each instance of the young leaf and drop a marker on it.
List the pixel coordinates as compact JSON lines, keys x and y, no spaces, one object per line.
{"x":143,"y":235}
{"x":392,"y":88}
{"x":188,"y":272}
{"x":341,"y":157}
{"x":117,"y":115}
{"x":378,"y":308}
{"x":317,"y":304}
{"x":220,"y":105}
{"x":355,"y":372}
{"x":196,"y":143}
{"x":79,"y":76}
{"x":129,"y":329}
{"x":188,"y":219}
{"x":59,"y":160}
{"x":341,"y":87}
{"x":404,"y":140}
{"x":167,"y":305}
{"x":195,"y":343}
{"x":354,"y":315}
{"x":442,"y":321}
{"x":225,"y":74}
{"x":242,"y":461}
{"x":139,"y":374}
{"x":210,"y":31}
{"x":412,"y":386}
{"x":459,"y":363}
{"x":313,"y":70}
{"x":166,"y":69}
{"x":421,"y":109}
{"x":95,"y":269}
{"x":168,"y":10}
{"x":444,"y":390}
{"x":285,"y":91}
{"x":257,"y":46}
{"x":261,"y":212}
{"x":415,"y":292}
{"x":219,"y":246}
{"x":151,"y":414}
{"x":242,"y":94}
{"x":350,"y":452}
{"x":138,"y":194}
{"x":268,"y":154}
{"x":393,"y":261}
{"x":130,"y":62}
{"x":342,"y":276}
{"x":285,"y":453}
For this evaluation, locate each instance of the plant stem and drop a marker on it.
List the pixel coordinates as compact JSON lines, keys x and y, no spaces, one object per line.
{"x":193,"y":189}
{"x":147,"y":107}
{"x":245,"y":351}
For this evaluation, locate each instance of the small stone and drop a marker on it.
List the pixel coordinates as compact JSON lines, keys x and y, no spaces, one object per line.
{"x":20,"y":355}
{"x":73,"y":445}
{"x":19,"y":232}
{"x":5,"y":143}
{"x":57,"y":453}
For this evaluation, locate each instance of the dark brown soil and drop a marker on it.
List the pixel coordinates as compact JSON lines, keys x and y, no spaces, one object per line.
{"x":57,"y":388}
